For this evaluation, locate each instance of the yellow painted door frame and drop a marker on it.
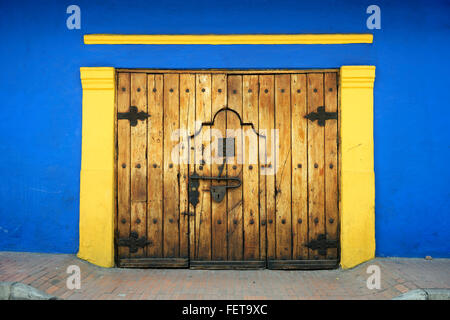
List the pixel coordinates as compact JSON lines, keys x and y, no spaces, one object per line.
{"x":357,"y":189}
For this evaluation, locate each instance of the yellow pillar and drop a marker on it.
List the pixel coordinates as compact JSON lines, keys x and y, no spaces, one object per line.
{"x":357,"y":191}
{"x":97,"y":167}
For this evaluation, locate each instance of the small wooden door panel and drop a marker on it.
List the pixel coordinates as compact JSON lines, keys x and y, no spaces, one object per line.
{"x":306,"y":181}
{"x":226,"y":231}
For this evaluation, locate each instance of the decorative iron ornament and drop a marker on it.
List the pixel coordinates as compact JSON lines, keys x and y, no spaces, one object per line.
{"x":133,"y":242}
{"x":321,"y":116}
{"x":193,"y":185}
{"x":133,"y":115}
{"x":322,"y":244}
{"x":226,"y":147}
{"x":217,"y":192}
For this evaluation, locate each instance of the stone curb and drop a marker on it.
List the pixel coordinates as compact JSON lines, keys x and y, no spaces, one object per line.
{"x":20,"y":291}
{"x":425,"y":294}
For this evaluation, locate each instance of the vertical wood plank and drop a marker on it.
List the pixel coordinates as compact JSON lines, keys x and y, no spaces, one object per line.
{"x":187,"y":122}
{"x":283,"y":168}
{"x":219,"y":210}
{"x":331,"y":164}
{"x":250,"y":188}
{"x":299,"y":168}
{"x":123,"y":159}
{"x":171,"y":167}
{"x":155,"y":166}
{"x":267,"y":157}
{"x":203,"y":210}
{"x":138,"y":159}
{"x":316,"y":196}
{"x":234,"y":169}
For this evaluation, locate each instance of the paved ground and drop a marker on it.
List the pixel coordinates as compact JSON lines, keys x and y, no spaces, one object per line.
{"x":47,"y":272}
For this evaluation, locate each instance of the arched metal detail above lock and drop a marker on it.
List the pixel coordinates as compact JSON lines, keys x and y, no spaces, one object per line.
{"x":226,"y":149}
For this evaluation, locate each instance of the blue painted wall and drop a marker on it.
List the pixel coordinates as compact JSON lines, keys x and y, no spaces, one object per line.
{"x":40,"y":94}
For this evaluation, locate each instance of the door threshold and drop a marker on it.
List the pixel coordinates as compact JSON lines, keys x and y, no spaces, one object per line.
{"x":227,"y":265}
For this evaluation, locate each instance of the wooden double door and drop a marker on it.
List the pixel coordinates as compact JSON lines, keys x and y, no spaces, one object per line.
{"x":223,"y":169}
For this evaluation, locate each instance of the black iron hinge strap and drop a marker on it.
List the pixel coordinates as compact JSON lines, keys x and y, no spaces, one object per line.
{"x":133,"y":116}
{"x":321,"y":116}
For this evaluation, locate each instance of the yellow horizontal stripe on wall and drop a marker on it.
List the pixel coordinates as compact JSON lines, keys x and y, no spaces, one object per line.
{"x":229,"y":39}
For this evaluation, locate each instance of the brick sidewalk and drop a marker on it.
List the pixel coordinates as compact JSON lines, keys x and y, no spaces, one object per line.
{"x":47,"y":272}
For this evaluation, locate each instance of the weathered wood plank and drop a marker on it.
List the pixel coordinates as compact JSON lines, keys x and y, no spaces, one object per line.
{"x":250,"y":188}
{"x":123,"y":159}
{"x":331,"y":164}
{"x":316,"y":196}
{"x":155,"y":85}
{"x":138,"y":160}
{"x":139,"y":224}
{"x":234,"y":169}
{"x":267,"y":172}
{"x":299,"y":167}
{"x":219,"y":210}
{"x":283,"y":167}
{"x":203,"y":167}
{"x":187,"y":121}
{"x":171,"y":168}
